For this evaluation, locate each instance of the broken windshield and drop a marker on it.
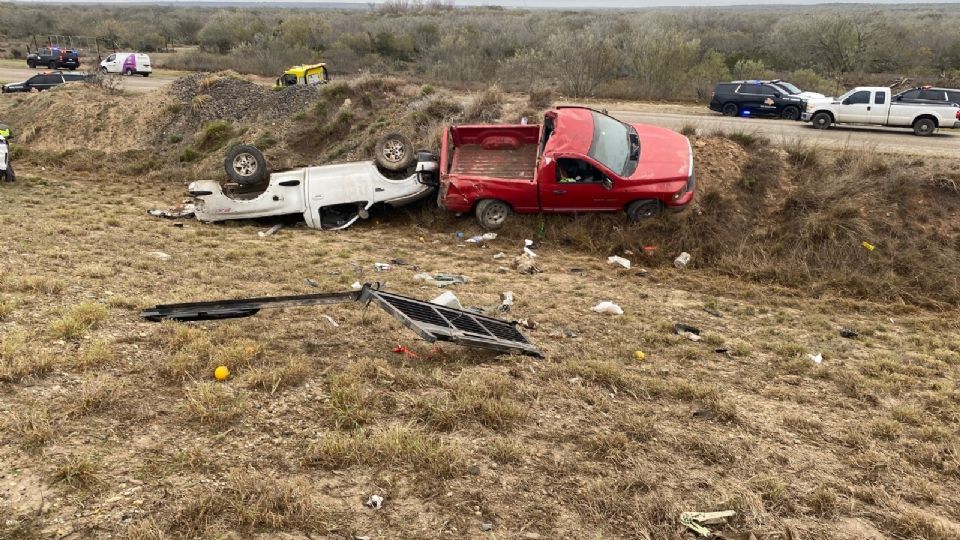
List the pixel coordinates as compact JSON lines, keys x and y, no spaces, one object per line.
{"x":615,"y":144}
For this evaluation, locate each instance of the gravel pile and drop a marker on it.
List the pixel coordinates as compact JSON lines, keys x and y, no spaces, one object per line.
{"x":232,"y":98}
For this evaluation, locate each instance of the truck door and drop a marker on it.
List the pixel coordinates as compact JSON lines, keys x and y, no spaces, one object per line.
{"x":575,"y":185}
{"x":856,"y":108}
{"x":879,"y":107}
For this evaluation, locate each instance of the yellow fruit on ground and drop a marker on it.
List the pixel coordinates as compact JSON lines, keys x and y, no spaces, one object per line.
{"x":221,"y":373}
{"x":639,"y":355}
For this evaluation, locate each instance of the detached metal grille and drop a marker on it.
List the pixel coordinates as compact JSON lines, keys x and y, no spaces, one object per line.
{"x":430,"y":321}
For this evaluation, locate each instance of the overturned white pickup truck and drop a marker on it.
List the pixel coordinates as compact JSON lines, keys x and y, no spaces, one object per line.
{"x":328,"y":196}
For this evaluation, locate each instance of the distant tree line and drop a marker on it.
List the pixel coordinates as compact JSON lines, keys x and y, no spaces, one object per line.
{"x":654,"y":53}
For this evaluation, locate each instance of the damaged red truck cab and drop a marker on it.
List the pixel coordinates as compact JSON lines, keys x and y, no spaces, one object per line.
{"x":578,"y":160}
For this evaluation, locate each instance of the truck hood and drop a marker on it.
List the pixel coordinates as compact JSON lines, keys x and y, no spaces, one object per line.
{"x":810,"y":95}
{"x":664,"y":154}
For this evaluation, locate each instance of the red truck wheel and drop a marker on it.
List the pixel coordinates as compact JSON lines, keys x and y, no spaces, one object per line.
{"x":492,"y":214}
{"x":640,"y":210}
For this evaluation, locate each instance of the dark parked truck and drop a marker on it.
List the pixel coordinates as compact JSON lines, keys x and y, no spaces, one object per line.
{"x":54,"y":58}
{"x":578,"y":160}
{"x":43,"y":81}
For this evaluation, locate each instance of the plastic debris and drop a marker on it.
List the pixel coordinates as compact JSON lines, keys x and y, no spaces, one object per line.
{"x":608,"y":308}
{"x":375,"y":502}
{"x":486,"y":237}
{"x":817,"y":358}
{"x":331,"y":321}
{"x":568,"y":333}
{"x":159,"y":255}
{"x":486,"y":527}
{"x":381,"y":267}
{"x":848,"y":333}
{"x":613,"y":259}
{"x":356,"y":285}
{"x":311,"y":282}
{"x":402,"y":349}
{"x":685,"y":329}
{"x":270,"y":231}
{"x":639,"y":356}
{"x":529,"y":324}
{"x":499,"y":256}
{"x":697,"y":521}
{"x":458,"y":235}
{"x":527,"y":249}
{"x":682,"y":260}
{"x":441,"y":280}
{"x":179,"y":211}
{"x":868,"y":246}
{"x":649,"y":250}
{"x":506,"y":301}
{"x":447,"y":299}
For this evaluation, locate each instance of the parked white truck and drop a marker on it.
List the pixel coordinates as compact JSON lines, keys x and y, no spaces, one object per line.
{"x":869,"y":105}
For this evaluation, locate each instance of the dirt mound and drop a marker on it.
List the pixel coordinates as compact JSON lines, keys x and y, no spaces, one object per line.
{"x":227,"y":96}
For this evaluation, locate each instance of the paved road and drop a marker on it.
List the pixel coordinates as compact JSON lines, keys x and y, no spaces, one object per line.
{"x":946,"y":143}
{"x":134,"y":84}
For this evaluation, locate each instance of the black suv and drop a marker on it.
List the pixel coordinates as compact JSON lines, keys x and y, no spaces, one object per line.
{"x":755,"y":98}
{"x":43,"y":81}
{"x":929,"y":95}
{"x":54,"y":58}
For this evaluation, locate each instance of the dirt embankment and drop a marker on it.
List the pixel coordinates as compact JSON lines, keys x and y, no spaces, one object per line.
{"x":800,"y":216}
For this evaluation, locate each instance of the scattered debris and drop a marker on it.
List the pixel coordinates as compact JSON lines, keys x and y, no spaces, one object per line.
{"x":649,"y":250}
{"x":441,"y":280}
{"x":375,"y":502}
{"x":609,"y":308}
{"x":690,"y":332}
{"x":682,"y":260}
{"x":398,"y":262}
{"x":528,"y":248}
{"x":817,"y":358}
{"x":381,"y":267}
{"x":506,"y":301}
{"x":486,"y":237}
{"x":458,"y":235}
{"x":721,"y":350}
{"x":311,"y":282}
{"x":499,"y":256}
{"x":447,"y":299}
{"x":528,"y":323}
{"x":850,"y":334}
{"x":525,"y":263}
{"x":713,"y":312}
{"x":639,"y":356}
{"x":697,"y":521}
{"x":614,"y":259}
{"x":643,"y":272}
{"x":356,"y":285}
{"x":159,"y":255}
{"x":502,"y":269}
{"x":331,"y":321}
{"x":868,"y":246}
{"x":569,"y":333}
{"x":270,"y":231}
{"x":180,"y":211}
{"x":486,"y":527}
{"x":431,"y":322}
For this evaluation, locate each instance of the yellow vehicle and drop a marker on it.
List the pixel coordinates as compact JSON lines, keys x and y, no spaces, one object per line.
{"x":303,"y":74}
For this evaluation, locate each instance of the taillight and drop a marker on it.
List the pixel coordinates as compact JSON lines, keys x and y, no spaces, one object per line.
{"x":958,"y":115}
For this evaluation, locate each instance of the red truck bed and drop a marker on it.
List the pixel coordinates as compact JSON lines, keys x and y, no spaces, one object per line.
{"x":507,"y":152}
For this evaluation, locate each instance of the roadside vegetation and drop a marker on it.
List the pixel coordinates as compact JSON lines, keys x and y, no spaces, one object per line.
{"x":643,"y":54}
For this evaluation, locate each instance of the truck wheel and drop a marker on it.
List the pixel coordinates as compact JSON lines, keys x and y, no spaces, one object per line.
{"x":640,"y":210}
{"x":821,"y":120}
{"x":52,"y":64}
{"x":32,"y":64}
{"x":103,"y":70}
{"x":492,"y":214}
{"x":394,"y":152}
{"x":731,"y":109}
{"x":924,"y":127}
{"x":146,"y":74}
{"x":790,"y":113}
{"x":11,"y":176}
{"x":246,"y":165}
{"x":128,"y":72}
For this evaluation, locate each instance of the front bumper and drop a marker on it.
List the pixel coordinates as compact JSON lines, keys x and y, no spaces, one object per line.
{"x":805,"y":116}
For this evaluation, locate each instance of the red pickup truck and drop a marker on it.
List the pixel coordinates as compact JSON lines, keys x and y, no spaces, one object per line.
{"x":578,"y":160}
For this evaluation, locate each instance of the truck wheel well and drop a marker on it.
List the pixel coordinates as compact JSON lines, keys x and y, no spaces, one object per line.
{"x":478,"y":201}
{"x":929,"y":117}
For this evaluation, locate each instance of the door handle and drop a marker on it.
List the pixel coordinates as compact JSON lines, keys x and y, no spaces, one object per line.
{"x":868,"y":107}
{"x":559,"y":191}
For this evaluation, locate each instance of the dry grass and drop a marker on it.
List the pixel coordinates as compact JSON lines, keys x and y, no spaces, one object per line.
{"x":78,"y":320}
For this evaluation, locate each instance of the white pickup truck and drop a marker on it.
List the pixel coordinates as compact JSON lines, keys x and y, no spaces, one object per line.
{"x":871,"y":105}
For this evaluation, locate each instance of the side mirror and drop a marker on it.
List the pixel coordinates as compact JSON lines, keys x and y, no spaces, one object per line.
{"x":607,"y":183}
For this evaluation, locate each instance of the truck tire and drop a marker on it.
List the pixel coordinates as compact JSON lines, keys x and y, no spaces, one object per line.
{"x":821,"y":120}
{"x":146,"y":73}
{"x":128,"y":72}
{"x":246,"y":165}
{"x":645,"y":209}
{"x":790,"y":113}
{"x":394,"y":152}
{"x":52,"y":64}
{"x":924,"y":127}
{"x":32,"y":64}
{"x":10,"y":176}
{"x":103,"y":70}
{"x":731,"y":109}
{"x":492,"y":214}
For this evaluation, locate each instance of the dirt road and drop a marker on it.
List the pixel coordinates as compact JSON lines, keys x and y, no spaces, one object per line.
{"x":133,"y":84}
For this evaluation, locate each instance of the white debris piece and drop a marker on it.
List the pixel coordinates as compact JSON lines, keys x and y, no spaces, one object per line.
{"x":447,"y":299}
{"x":609,"y":308}
{"x":614,"y":259}
{"x":682,"y":260}
{"x":499,"y":255}
{"x":486,"y":237}
{"x":381,"y":267}
{"x":331,"y":321}
{"x":270,"y":231}
{"x":375,"y":502}
{"x":159,"y":255}
{"x":357,"y":285}
{"x":506,"y":301}
{"x":817,"y":358}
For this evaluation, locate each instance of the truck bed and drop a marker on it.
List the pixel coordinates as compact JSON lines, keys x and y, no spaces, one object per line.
{"x":507,"y":152}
